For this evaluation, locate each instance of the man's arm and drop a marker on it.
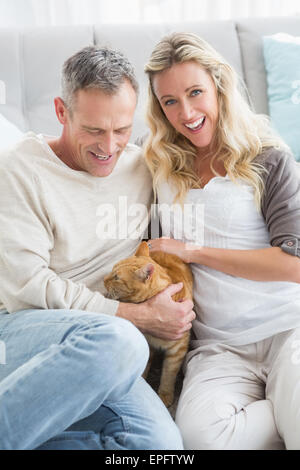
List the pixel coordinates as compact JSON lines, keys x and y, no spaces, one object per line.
{"x":26,"y":280}
{"x":26,"y":241}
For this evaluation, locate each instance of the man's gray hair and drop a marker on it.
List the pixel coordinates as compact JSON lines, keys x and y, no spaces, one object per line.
{"x":96,"y":67}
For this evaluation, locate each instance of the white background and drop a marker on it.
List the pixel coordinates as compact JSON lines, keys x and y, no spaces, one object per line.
{"x":28,"y":13}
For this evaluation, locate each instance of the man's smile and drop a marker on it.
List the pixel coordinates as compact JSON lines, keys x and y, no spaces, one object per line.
{"x":101,"y":157}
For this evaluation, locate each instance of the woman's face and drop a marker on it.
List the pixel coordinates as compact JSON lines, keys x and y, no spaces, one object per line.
{"x":188,"y":97}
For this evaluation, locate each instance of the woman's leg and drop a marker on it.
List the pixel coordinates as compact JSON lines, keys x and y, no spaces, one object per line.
{"x":222,"y":403}
{"x":61,"y":366}
{"x":283,"y":386}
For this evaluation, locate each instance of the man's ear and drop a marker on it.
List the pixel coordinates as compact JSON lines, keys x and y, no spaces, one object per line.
{"x":145,"y":273}
{"x":143,"y":250}
{"x":60,"y":109}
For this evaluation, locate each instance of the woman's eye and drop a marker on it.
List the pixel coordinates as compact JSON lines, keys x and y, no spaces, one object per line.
{"x":168,"y":102}
{"x":196,"y":92}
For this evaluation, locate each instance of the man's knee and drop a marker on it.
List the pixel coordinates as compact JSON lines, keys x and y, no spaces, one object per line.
{"x":115,"y":337}
{"x":127,"y":336}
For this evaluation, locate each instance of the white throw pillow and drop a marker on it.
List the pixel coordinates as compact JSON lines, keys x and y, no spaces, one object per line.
{"x":9,"y":133}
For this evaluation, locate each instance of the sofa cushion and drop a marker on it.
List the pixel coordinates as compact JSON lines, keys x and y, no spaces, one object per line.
{"x":44,"y":51}
{"x":281,"y":53}
{"x":250,"y":32}
{"x":9,"y":133}
{"x":31,"y":62}
{"x":11,"y":77}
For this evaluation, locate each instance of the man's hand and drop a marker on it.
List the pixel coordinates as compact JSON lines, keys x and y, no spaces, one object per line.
{"x":170,"y":320}
{"x":161,"y":316}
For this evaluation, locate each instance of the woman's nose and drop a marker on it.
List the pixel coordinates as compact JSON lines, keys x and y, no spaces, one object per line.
{"x":186,"y":111}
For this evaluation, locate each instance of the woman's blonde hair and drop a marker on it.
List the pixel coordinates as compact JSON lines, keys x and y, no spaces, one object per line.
{"x":241,"y":135}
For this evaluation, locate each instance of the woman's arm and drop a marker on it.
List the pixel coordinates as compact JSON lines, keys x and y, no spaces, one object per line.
{"x":266,"y":264}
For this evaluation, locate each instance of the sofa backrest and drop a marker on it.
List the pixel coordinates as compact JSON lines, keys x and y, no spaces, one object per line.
{"x":31,"y":61}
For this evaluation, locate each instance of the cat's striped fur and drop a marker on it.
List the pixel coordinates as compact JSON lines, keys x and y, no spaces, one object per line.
{"x":142,"y":276}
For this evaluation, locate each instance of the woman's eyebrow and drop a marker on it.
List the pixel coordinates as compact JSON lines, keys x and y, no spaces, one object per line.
{"x":187,"y":89}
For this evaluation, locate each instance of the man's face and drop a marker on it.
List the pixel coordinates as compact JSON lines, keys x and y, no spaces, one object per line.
{"x":98,"y":129}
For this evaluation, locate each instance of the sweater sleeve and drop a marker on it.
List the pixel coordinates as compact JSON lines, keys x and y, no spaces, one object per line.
{"x":281,"y":200}
{"x":26,"y":240}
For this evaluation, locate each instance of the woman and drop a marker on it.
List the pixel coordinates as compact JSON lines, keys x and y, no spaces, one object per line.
{"x":208,"y":149}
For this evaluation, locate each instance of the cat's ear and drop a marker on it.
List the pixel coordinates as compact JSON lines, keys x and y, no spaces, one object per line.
{"x":143,"y":250}
{"x":145,"y":273}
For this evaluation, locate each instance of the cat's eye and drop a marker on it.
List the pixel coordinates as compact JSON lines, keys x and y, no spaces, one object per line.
{"x":116,"y":277}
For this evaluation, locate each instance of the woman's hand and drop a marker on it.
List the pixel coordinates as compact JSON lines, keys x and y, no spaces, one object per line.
{"x":175,"y":247}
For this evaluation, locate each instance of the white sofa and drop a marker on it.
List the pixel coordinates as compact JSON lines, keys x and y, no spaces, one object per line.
{"x":31,"y":61}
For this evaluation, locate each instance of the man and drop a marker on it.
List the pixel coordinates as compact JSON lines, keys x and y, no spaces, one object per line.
{"x":72,"y":374}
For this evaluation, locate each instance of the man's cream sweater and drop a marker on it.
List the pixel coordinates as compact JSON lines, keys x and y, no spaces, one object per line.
{"x":62,"y":230}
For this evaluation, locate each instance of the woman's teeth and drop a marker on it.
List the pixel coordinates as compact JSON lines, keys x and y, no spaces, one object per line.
{"x":195,"y":124}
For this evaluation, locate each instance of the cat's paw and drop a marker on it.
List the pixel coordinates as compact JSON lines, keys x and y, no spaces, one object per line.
{"x":166,"y":397}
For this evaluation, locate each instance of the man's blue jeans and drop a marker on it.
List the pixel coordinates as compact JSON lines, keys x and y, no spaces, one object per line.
{"x":72,"y":380}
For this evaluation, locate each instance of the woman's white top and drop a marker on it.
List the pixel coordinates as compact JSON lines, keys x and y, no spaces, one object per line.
{"x":229,"y":309}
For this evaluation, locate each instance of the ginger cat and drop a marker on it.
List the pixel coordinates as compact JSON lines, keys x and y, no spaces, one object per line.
{"x":142,"y":276}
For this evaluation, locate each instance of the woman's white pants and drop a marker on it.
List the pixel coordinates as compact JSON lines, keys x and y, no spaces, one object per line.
{"x":245,"y":397}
